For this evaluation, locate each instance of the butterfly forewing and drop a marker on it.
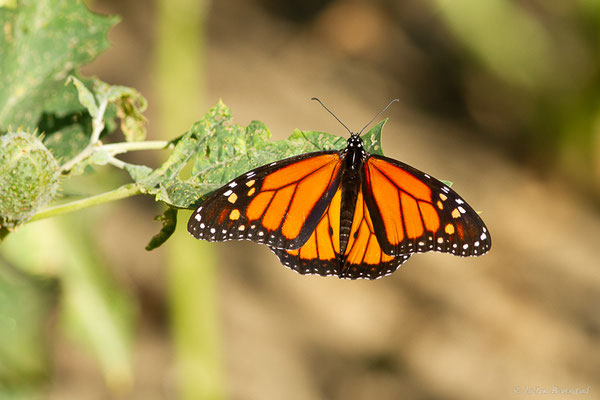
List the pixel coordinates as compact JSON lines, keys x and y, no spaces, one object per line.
{"x":279,"y":204}
{"x":414,"y":212}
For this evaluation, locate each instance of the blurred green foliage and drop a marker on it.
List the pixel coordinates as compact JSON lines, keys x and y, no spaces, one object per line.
{"x":53,"y":262}
{"x":43,"y":42}
{"x":532,"y":77}
{"x":25,"y":303}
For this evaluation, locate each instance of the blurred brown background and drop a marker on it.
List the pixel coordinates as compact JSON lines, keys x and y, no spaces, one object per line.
{"x":500,"y":97}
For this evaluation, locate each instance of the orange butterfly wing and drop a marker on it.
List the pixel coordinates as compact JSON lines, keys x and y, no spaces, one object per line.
{"x":261,"y":205}
{"x":362,"y":258}
{"x":413,"y":212}
{"x":294,"y":206}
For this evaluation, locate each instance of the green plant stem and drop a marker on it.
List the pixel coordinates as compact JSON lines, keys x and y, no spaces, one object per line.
{"x":123,"y":147}
{"x":122,"y":192}
{"x":113,"y":149}
{"x":85,"y":153}
{"x":98,"y":126}
{"x":98,"y":122}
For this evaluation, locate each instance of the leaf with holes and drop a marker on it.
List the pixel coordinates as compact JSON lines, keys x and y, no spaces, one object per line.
{"x":43,"y":42}
{"x":219,"y":150}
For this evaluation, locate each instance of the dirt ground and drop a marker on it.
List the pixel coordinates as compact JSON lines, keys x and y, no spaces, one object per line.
{"x":522,"y":318}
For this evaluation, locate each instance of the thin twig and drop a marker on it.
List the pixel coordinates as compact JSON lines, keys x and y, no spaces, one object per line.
{"x":123,"y":147}
{"x":121,"y":192}
{"x":94,"y":144}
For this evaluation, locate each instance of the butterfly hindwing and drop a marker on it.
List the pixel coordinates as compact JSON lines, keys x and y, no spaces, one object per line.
{"x":278,"y":204}
{"x":414,"y":212}
{"x":320,"y":254}
{"x":362,"y":258}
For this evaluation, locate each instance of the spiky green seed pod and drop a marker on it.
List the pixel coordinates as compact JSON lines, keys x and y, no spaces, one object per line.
{"x":29,"y":176}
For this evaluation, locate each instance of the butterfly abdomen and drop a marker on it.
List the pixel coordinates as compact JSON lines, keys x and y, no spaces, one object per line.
{"x":350,"y":183}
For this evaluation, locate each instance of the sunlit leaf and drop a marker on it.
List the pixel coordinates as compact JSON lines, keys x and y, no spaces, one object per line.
{"x":42,"y":43}
{"x":219,"y":150}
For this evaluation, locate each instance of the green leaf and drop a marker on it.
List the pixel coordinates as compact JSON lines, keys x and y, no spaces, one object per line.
{"x":43,"y":42}
{"x":128,"y":102}
{"x":372,"y":139}
{"x":85,"y":96}
{"x":217,"y":150}
{"x":66,"y":136}
{"x":130,"y":107}
{"x":169,"y":221}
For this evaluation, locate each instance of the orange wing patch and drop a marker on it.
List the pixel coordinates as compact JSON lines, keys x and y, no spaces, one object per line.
{"x":297,"y":171}
{"x":319,"y":254}
{"x":310,"y":177}
{"x":401,"y":179}
{"x":363,"y":257}
{"x":414,"y":212}
{"x":403,"y":205}
{"x":312,"y":188}
{"x":282,"y":208}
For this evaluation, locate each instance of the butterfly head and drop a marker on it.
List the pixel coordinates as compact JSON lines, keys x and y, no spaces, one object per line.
{"x":355,"y":141}
{"x":355,"y":152}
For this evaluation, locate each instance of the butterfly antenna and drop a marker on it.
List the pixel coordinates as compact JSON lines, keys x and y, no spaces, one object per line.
{"x":378,"y":114}
{"x":344,"y":125}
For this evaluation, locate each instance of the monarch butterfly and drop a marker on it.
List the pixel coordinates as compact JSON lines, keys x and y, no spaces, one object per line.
{"x":346,"y":213}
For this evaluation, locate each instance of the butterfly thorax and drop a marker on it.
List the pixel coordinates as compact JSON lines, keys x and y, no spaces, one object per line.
{"x":354,"y":154}
{"x":353,"y":158}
